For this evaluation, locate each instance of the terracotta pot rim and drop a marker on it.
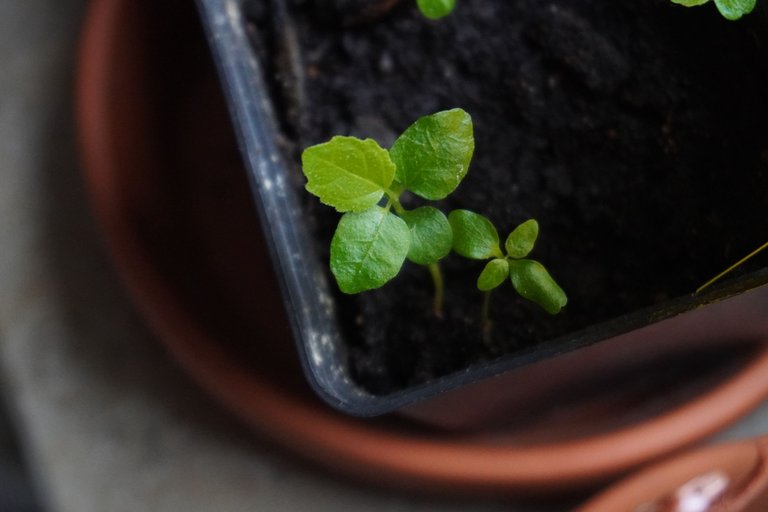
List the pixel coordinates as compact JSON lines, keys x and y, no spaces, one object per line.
{"x":355,"y":446}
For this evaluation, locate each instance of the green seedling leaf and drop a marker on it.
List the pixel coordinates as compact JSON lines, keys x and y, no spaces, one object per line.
{"x":474,"y":236}
{"x":730,"y":9}
{"x":533,"y":282}
{"x":431,"y":235}
{"x":494,"y":273}
{"x":347,"y":173}
{"x":433,"y":155}
{"x":521,"y":240}
{"x":368,"y":249}
{"x":734,"y":9}
{"x":436,"y":9}
{"x":690,"y":3}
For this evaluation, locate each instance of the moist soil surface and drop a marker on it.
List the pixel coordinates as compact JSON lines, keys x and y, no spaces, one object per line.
{"x":635,"y":132}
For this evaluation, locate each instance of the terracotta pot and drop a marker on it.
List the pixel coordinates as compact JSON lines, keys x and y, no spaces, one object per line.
{"x":726,"y":478}
{"x":172,"y":200}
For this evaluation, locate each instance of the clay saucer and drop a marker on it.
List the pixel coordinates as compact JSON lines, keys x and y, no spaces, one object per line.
{"x":173,"y":202}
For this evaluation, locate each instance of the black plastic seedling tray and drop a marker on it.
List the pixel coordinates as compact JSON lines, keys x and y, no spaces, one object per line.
{"x":308,"y":292}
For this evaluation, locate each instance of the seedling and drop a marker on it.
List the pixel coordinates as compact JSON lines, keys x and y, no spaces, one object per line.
{"x":475,"y":237}
{"x":730,"y":9}
{"x":376,"y":233}
{"x":436,"y":9}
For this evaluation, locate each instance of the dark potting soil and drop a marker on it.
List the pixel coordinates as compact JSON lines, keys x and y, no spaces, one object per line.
{"x":635,"y":132}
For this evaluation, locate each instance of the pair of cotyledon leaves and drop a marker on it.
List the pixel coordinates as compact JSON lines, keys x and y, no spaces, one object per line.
{"x":476,"y":237}
{"x":429,"y":159}
{"x":730,"y":9}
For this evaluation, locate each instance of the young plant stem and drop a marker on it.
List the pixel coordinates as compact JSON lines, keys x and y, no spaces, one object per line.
{"x":731,"y":268}
{"x":393,"y":196}
{"x":434,"y":268}
{"x":437,"y":278}
{"x":485,"y":317}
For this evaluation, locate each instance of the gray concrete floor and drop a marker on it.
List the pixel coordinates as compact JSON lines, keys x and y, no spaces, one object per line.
{"x":104,"y":420}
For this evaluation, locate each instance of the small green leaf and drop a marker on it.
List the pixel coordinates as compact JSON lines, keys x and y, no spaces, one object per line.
{"x":436,"y":9}
{"x":690,"y":3}
{"x":734,"y":9}
{"x":431,"y":235}
{"x":533,"y":282}
{"x":368,"y":249}
{"x":433,"y":155}
{"x":347,"y":173}
{"x":474,"y":236}
{"x":521,"y":240}
{"x":494,"y":273}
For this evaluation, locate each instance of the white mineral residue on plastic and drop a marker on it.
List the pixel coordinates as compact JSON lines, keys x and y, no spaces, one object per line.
{"x":219,"y":19}
{"x":275,"y":184}
{"x":340,"y":374}
{"x":337,"y":370}
{"x":233,"y":14}
{"x":314,"y":350}
{"x":325,"y":300}
{"x":279,"y":182}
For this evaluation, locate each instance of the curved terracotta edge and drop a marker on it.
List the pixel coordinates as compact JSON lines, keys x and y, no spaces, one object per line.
{"x":357,"y":447}
{"x":732,"y":477}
